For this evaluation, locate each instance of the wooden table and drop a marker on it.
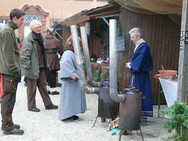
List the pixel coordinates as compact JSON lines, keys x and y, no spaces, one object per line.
{"x":159,"y":94}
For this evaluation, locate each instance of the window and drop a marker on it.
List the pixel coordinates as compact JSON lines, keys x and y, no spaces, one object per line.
{"x":28,"y":18}
{"x":4,"y":21}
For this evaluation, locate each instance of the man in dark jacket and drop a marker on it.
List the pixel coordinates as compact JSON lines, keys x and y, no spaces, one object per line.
{"x":53,"y":48}
{"x":10,"y":70}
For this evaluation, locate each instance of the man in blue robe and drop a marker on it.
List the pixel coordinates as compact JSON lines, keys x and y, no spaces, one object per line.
{"x":140,"y":64}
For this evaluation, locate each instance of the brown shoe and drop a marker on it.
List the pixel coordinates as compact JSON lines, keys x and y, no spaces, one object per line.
{"x":55,"y":93}
{"x":17,"y":126}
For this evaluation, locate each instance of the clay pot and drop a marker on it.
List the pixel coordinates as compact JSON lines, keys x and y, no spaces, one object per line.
{"x":166,"y":73}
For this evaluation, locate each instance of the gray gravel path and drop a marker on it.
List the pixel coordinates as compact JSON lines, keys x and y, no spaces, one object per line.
{"x":45,"y":126}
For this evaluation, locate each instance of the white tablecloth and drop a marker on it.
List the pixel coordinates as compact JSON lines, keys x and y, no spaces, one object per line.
{"x":170,"y":90}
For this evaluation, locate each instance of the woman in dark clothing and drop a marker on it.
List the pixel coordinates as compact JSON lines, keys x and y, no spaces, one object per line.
{"x":34,"y":64}
{"x":53,"y":48}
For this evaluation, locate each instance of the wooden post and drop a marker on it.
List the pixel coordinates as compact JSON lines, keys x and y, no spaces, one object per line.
{"x":182,"y":92}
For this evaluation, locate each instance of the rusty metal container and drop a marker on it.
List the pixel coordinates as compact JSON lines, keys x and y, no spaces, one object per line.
{"x":130,"y":109}
{"x":107,"y":108}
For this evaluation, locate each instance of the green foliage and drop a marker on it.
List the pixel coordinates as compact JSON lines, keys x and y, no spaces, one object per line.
{"x":104,"y":75}
{"x":111,"y":1}
{"x":85,"y":10}
{"x":98,"y":75}
{"x":118,"y":31}
{"x":58,"y":84}
{"x":93,"y":58}
{"x":178,"y":120}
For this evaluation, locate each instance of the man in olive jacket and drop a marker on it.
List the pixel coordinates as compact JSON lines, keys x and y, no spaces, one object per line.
{"x":10,"y":70}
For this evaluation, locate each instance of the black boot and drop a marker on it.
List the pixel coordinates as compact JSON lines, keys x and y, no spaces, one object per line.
{"x":14,"y":131}
{"x":51,"y":106}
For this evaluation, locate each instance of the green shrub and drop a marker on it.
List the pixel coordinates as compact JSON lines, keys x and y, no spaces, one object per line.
{"x":178,"y":120}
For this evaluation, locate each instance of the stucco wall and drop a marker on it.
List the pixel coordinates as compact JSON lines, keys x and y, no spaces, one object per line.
{"x":57,"y":9}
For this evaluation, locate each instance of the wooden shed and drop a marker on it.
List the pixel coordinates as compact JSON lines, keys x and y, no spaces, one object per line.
{"x":160,"y":31}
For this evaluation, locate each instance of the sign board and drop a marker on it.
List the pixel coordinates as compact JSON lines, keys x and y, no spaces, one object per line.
{"x":121,"y":42}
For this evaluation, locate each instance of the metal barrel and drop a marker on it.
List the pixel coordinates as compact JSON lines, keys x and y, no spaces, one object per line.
{"x":130,"y":110}
{"x":107,"y":108}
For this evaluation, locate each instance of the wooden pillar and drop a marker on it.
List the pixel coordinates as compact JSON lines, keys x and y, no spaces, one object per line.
{"x":182,"y":93}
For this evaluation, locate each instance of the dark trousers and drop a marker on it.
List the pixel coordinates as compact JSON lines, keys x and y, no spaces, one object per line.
{"x":32,"y":85}
{"x":51,"y":78}
{"x":8,"y":101}
{"x":1,"y":85}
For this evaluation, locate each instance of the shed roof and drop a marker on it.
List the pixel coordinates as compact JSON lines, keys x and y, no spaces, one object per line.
{"x":86,"y":15}
{"x":149,"y":7}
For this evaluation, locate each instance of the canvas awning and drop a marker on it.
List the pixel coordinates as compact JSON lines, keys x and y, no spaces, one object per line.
{"x":153,"y":6}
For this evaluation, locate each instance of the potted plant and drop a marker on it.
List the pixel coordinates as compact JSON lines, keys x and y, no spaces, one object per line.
{"x":177,"y":119}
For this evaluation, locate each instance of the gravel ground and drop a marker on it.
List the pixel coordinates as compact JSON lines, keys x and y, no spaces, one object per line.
{"x":45,"y":126}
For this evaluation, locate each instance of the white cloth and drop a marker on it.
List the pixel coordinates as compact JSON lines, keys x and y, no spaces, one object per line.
{"x":170,"y":90}
{"x":48,"y":88}
{"x":138,"y":43}
{"x":59,"y":77}
{"x":53,"y":89}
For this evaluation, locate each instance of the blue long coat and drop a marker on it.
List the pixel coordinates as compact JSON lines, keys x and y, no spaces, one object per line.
{"x":73,"y":100}
{"x":141,"y":64}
